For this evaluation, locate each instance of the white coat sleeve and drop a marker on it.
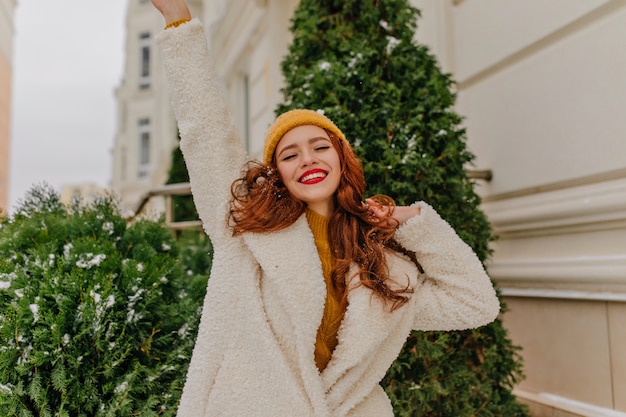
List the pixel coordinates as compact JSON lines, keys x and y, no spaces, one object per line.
{"x":455,"y":292}
{"x":210,"y":143}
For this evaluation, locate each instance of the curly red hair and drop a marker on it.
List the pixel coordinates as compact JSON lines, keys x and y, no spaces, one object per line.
{"x":261,"y":204}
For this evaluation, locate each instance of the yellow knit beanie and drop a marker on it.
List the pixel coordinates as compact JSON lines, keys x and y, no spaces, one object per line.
{"x":293,"y":118}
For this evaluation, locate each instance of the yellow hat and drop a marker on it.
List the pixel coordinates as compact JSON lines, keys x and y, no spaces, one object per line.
{"x":294,"y":118}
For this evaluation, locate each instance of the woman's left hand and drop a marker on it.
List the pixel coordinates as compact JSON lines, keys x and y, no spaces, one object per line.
{"x":398,"y":213}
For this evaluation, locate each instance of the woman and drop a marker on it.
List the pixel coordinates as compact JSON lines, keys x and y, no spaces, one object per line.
{"x":312,"y":291}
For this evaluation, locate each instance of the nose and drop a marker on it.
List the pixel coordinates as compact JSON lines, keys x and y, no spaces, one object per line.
{"x":308,"y":158}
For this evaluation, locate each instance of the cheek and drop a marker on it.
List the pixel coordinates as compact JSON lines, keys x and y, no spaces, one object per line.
{"x":337,"y":163}
{"x":283,"y":172}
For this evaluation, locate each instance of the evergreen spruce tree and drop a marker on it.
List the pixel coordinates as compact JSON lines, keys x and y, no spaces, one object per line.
{"x":357,"y":62}
{"x":183,"y":205}
{"x":97,"y":317}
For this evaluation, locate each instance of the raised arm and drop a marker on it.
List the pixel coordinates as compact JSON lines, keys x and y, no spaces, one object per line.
{"x":455,"y":293}
{"x":173,"y":11}
{"x":211,"y":145}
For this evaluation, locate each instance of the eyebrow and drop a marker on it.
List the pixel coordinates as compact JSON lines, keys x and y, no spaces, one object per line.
{"x":295,"y":145}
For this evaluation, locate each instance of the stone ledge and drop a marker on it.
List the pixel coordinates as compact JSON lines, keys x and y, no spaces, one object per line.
{"x":549,"y":405}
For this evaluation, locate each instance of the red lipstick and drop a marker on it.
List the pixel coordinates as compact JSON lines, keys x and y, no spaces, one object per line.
{"x":313,"y":176}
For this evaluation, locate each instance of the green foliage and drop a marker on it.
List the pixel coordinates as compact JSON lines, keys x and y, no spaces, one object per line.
{"x":469,"y":373}
{"x":357,"y":62}
{"x":97,"y":318}
{"x":183,"y":206}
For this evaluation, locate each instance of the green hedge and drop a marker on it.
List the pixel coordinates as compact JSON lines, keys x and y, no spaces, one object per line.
{"x":97,"y":318}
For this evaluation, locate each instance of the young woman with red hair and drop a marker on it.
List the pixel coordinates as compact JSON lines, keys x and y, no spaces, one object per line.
{"x":313,"y":288}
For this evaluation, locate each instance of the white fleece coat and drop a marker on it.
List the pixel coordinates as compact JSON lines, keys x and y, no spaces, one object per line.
{"x":254,"y":354}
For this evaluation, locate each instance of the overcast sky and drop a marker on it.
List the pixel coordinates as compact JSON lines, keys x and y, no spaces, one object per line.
{"x":68,"y":59}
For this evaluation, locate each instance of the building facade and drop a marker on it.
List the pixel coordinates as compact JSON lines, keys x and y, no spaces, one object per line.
{"x":86,"y":193}
{"x":248,"y":40}
{"x":542,"y":87}
{"x":7,"y":30}
{"x":146,"y":131}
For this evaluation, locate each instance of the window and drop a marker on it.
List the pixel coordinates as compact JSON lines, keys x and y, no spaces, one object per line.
{"x":144,"y":147}
{"x":246,"y":111}
{"x":144,"y":63}
{"x":123,"y":163}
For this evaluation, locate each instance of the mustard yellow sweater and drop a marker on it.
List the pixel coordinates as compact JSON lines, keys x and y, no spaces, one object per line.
{"x":335,"y":306}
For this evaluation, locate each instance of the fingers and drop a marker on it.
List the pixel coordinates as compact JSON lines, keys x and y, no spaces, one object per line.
{"x":390,"y":215}
{"x":379,"y":210}
{"x":382,"y":213}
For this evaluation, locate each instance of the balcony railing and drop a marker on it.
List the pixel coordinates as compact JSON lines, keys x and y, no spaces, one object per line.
{"x":168,"y":191}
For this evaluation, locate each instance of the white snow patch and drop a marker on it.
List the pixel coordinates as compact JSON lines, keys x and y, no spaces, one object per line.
{"x":392,"y":42}
{"x":110,"y":301}
{"x":8,"y":388}
{"x":34,"y":308}
{"x":96,"y":297}
{"x":108,"y":227}
{"x":121,"y":387}
{"x":183,"y":331}
{"x":89,"y":260}
{"x":66,"y":249}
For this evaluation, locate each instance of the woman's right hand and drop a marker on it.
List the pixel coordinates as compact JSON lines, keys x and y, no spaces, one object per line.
{"x":172,"y":10}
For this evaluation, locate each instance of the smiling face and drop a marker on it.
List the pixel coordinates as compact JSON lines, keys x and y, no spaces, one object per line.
{"x":309,"y":167}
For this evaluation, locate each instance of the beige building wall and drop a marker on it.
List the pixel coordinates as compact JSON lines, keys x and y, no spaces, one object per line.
{"x":7,"y":30}
{"x":146,"y":132}
{"x":542,"y":87}
{"x":249,"y":39}
{"x":86,"y":193}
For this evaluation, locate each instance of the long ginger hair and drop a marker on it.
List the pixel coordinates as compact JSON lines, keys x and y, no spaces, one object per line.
{"x":261,"y":204}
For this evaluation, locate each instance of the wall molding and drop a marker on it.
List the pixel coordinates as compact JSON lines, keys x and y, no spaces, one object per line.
{"x":233,"y":31}
{"x":602,"y":271}
{"x":582,"y":208}
{"x":615,"y":174}
{"x":553,"y":294}
{"x":532,"y":48}
{"x":565,"y":404}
